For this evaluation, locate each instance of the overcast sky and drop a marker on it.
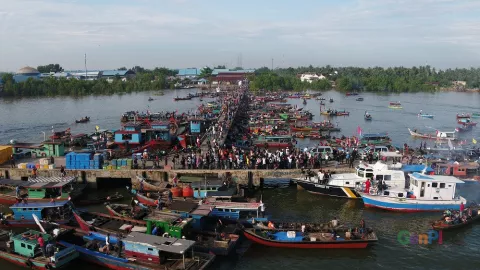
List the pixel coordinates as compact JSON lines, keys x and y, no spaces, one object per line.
{"x":196,"y":33}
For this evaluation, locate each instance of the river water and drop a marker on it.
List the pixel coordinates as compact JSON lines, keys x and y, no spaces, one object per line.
{"x":25,"y":119}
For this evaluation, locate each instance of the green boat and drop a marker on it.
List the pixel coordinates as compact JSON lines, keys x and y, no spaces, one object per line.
{"x":24,"y":250}
{"x":476,"y":115}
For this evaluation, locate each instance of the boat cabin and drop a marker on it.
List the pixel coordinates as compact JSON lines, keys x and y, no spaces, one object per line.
{"x":168,"y":223}
{"x":61,"y":210}
{"x":26,"y":244}
{"x":50,"y":148}
{"x":131,"y":134}
{"x":375,"y":138}
{"x":457,"y":169}
{"x":433,"y":187}
{"x":446,"y":135}
{"x":392,"y":159}
{"x":157,"y":250}
{"x":45,"y":188}
{"x":159,"y":130}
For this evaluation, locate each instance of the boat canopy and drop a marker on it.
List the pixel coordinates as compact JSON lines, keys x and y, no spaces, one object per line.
{"x":436,"y":178}
{"x":170,"y":245}
{"x":374,"y":135}
{"x":37,"y":183}
{"x":40,"y":205}
{"x":415,"y":168}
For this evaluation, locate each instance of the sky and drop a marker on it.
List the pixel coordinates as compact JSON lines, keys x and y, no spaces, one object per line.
{"x":195,"y":33}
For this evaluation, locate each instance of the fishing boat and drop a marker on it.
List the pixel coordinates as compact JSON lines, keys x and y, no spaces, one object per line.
{"x":323,"y":238}
{"x":83,"y":120}
{"x":331,"y":100}
{"x":375,"y":139}
{"x":182,"y":98}
{"x":395,"y":105}
{"x":350,"y":185}
{"x":150,"y":99}
{"x":304,"y":102}
{"x":344,"y":113}
{"x":137,"y":251}
{"x":22,"y":214}
{"x":318,"y":98}
{"x":274,"y":141}
{"x":476,"y":115}
{"x":23,"y":250}
{"x":463,"y":128}
{"x":92,"y":221}
{"x":124,"y":210}
{"x":439,"y":135}
{"x":463,"y":115}
{"x":302,"y":129}
{"x":466,"y":122}
{"x":57,"y":135}
{"x":140,"y":183}
{"x":453,"y":220}
{"x":99,"y":200}
{"x":41,"y":189}
{"x":367,"y":116}
{"x":351,"y":94}
{"x":426,"y":193}
{"x":426,"y":115}
{"x":359,"y":99}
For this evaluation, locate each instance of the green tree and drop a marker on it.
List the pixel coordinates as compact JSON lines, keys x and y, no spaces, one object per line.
{"x":206,"y":73}
{"x":50,"y":68}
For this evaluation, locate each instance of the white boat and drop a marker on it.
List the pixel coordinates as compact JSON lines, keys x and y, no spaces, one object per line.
{"x":350,"y":185}
{"x":439,"y":135}
{"x":426,"y":193}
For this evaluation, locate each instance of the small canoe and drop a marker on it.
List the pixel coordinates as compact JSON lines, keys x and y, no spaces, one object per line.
{"x":83,"y":120}
{"x":426,"y":115}
{"x":359,"y":99}
{"x":396,"y":107}
{"x":99,"y":200}
{"x":475,"y":115}
{"x":463,"y":115}
{"x":368,"y":117}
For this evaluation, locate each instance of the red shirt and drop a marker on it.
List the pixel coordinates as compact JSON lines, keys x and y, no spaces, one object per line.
{"x":41,"y":242}
{"x":462,"y":207}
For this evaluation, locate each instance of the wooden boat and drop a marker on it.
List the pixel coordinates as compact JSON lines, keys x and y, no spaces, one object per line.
{"x":351,"y":94}
{"x":125,"y":210}
{"x":463,"y":115}
{"x":359,"y":99}
{"x":426,"y":115}
{"x":92,"y":221}
{"x":22,"y":214}
{"x":438,"y":136}
{"x":23,"y":250}
{"x":83,"y":120}
{"x":320,"y":98}
{"x":139,"y":251}
{"x":304,"y":129}
{"x":367,"y":117}
{"x":182,"y":98}
{"x":343,"y":113}
{"x":150,"y":99}
{"x":475,"y":115}
{"x":463,"y":128}
{"x":142,"y":184}
{"x":57,"y":135}
{"x":99,"y":200}
{"x":331,"y":100}
{"x":63,"y":189}
{"x":322,"y":239}
{"x":395,"y":105}
{"x":443,"y":225}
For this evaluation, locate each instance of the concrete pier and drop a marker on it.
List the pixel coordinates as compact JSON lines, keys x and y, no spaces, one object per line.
{"x":242,"y":177}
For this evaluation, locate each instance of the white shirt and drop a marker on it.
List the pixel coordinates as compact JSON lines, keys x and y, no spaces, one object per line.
{"x":107,"y":240}
{"x":56,"y":232}
{"x":262,"y":207}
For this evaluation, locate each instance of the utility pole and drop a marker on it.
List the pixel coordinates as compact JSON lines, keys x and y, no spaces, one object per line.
{"x":86,"y":74}
{"x":272,"y":64}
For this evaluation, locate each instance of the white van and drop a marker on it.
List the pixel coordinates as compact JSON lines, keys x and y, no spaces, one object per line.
{"x":376,"y":149}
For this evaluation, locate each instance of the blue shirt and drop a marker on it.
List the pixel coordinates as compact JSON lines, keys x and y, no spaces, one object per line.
{"x":154,"y":231}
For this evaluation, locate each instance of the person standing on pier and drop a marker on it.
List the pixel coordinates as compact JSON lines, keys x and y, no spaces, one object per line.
{"x":12,"y":161}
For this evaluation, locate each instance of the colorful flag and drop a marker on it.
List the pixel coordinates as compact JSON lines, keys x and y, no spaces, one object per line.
{"x":474,"y":141}
{"x":359,"y":131}
{"x":97,"y":128}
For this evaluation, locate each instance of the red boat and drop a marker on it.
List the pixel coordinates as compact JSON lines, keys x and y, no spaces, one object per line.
{"x":317,"y":240}
{"x":57,"y":135}
{"x":304,"y":129}
{"x":463,"y":115}
{"x":102,"y":222}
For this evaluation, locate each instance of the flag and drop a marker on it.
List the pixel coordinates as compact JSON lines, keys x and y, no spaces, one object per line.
{"x":182,"y":141}
{"x":450,"y":145}
{"x":359,"y":131}
{"x":474,"y":141}
{"x":97,"y":128}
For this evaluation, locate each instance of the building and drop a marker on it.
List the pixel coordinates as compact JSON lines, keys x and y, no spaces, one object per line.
{"x":202,"y":81}
{"x":232,"y":77}
{"x":58,"y":75}
{"x":123,"y":75}
{"x":26,"y":73}
{"x":310,"y":77}
{"x":82,"y":75}
{"x":188,"y":73}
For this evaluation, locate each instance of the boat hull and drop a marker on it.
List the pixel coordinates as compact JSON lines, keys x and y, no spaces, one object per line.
{"x":305,"y":245}
{"x":440,"y":226}
{"x":408,"y":205}
{"x":11,"y":200}
{"x":328,"y":190}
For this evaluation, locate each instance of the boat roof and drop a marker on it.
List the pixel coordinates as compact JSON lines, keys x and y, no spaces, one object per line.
{"x":373,"y":135}
{"x":390,"y":154}
{"x":182,"y":206}
{"x":415,"y":168}
{"x":437,"y":178}
{"x":203,"y":210}
{"x":172,"y":245}
{"x":33,"y":242}
{"x":163,"y":216}
{"x":40,"y":204}
{"x":38,"y":184}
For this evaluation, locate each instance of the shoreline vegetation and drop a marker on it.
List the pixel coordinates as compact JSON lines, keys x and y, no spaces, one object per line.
{"x":347,"y":79}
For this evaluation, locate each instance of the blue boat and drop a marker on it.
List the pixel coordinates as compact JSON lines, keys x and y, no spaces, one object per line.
{"x":22,"y":214}
{"x":426,"y":115}
{"x":136,"y":251}
{"x":426,"y":193}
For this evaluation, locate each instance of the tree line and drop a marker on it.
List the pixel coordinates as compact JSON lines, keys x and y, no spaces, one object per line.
{"x":376,"y":79}
{"x":144,"y":80}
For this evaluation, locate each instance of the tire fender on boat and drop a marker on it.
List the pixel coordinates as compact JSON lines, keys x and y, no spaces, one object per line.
{"x":29,"y":263}
{"x":166,"y":235}
{"x":48,"y":266}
